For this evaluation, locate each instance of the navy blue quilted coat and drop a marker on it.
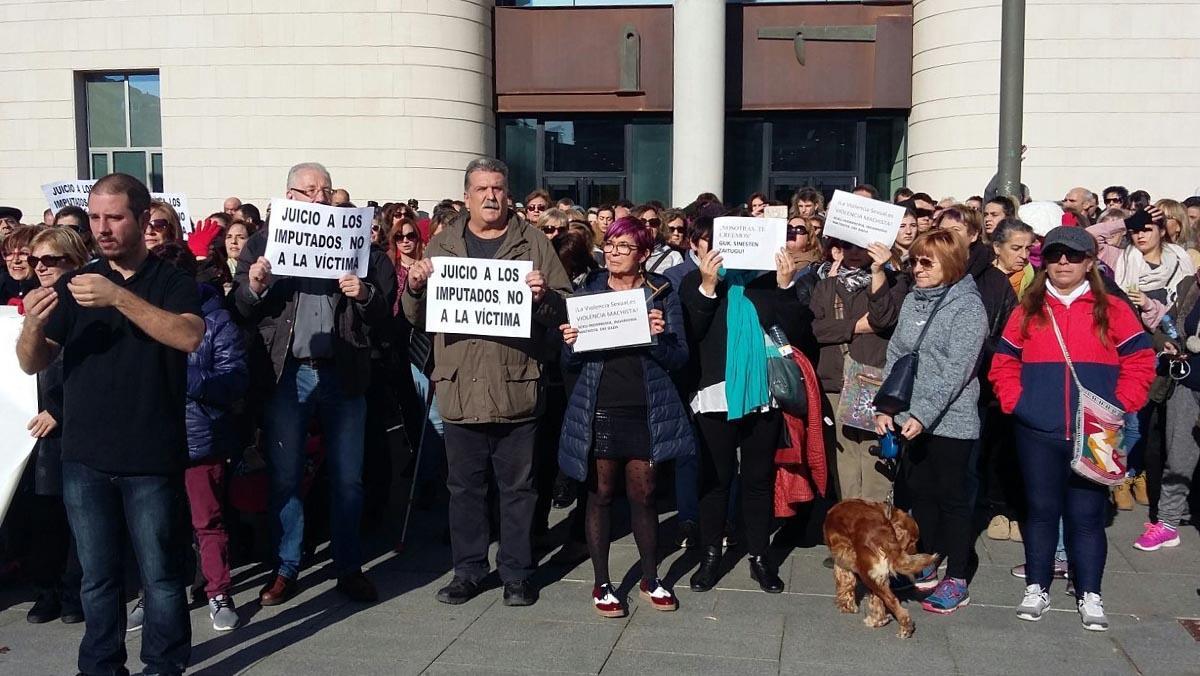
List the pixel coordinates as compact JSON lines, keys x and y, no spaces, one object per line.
{"x":217,"y":377}
{"x":670,"y":431}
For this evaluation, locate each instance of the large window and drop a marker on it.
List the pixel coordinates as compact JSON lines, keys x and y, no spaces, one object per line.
{"x":124,"y":126}
{"x":590,"y":159}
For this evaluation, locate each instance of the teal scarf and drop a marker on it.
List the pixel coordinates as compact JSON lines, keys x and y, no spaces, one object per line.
{"x":745,"y":348}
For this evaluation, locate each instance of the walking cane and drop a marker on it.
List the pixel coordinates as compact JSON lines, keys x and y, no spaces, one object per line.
{"x":412,"y":488}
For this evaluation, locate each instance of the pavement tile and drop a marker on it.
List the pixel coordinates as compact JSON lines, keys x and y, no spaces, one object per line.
{"x":653,"y":663}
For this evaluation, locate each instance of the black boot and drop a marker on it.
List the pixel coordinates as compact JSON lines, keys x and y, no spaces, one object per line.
{"x":46,"y":608}
{"x":762,"y":572}
{"x":709,"y":572}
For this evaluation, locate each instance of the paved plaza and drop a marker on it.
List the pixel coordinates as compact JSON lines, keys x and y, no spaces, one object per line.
{"x":735,"y":629}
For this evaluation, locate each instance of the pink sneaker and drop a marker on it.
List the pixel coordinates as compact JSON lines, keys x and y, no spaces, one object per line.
{"x":1156,"y":536}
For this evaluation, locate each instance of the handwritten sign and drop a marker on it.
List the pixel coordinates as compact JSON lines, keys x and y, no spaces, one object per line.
{"x":749,"y":243}
{"x":778,"y":211}
{"x":479,"y":296}
{"x":862,"y":220}
{"x":67,"y":194}
{"x":608,"y":320}
{"x":318,"y":241}
{"x":178,"y":202}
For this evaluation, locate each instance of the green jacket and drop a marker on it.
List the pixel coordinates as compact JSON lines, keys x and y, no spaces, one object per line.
{"x":482,"y":379}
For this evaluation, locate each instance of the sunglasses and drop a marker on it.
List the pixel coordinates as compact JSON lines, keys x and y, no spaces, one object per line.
{"x":793,"y":233}
{"x":924,"y":262}
{"x":676,"y":228}
{"x":48,"y":261}
{"x":406,"y":236}
{"x":1112,"y":200}
{"x":159,"y":225}
{"x":553,"y":228}
{"x":535,"y":207}
{"x":1055,"y":255}
{"x":651,"y":222}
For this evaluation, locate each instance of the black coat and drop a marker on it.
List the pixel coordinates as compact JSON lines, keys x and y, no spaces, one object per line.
{"x":999,"y":300}
{"x":47,"y":454}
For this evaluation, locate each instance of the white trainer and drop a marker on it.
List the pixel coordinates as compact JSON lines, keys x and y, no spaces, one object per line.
{"x":1035,"y":603}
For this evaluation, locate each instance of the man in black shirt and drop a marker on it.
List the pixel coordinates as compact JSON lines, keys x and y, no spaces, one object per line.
{"x":125,"y":324}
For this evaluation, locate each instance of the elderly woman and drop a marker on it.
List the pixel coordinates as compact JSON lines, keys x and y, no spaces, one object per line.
{"x":21,"y":278}
{"x":943,"y":322}
{"x":624,"y":416}
{"x":53,"y":563}
{"x":1033,"y":382}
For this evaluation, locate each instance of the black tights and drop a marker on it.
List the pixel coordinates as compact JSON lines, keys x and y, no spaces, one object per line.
{"x":639,"y":488}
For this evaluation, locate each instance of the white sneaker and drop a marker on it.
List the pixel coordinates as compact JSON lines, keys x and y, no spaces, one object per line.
{"x":1035,"y":603}
{"x":1091,"y":612}
{"x":136,"y":616}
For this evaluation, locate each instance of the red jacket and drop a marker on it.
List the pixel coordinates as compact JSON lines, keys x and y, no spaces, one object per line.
{"x":1031,"y":377}
{"x":800,"y":471}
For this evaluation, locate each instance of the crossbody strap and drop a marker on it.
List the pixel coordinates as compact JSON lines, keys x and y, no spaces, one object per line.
{"x":937,"y":305}
{"x":1062,"y":344}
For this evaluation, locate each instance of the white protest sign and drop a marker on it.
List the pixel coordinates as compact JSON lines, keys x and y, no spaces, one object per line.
{"x":479,"y":296}
{"x":179,"y":203}
{"x":318,"y":241}
{"x":779,"y":211}
{"x":610,"y":319}
{"x":862,"y":220}
{"x":18,"y":405}
{"x":67,"y":193}
{"x":749,"y":243}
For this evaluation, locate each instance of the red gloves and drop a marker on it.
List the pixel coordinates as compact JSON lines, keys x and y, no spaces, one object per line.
{"x":206,"y":231}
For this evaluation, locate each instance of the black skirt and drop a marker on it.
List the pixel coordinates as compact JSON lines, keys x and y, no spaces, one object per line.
{"x":621,"y":433}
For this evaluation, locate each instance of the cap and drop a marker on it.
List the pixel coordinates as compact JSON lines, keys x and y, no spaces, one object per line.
{"x":11,"y":212}
{"x":1041,"y":216}
{"x":1076,"y":239}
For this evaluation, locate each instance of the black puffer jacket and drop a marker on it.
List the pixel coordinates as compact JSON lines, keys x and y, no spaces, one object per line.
{"x":999,"y":300}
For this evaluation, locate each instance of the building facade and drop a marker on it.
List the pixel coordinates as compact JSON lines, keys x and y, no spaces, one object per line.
{"x":596,"y":100}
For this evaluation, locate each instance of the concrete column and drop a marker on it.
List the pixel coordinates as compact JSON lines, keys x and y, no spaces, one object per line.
{"x":698,"y":119}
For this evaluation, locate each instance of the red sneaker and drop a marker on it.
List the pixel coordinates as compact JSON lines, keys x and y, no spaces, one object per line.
{"x":660,"y":597}
{"x":606,"y":602}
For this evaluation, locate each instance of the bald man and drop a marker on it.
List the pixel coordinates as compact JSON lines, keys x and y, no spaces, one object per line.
{"x":340,"y":196}
{"x":1081,"y":200}
{"x":231,"y":205}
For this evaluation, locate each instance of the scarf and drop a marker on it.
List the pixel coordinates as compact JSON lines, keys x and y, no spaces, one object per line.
{"x":851,"y":279}
{"x":1132,"y":270}
{"x":745,"y":348}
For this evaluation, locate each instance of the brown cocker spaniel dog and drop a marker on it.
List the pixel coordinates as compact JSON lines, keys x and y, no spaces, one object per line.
{"x":873,"y":542}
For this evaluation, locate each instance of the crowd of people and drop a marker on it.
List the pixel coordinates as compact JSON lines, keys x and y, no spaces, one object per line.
{"x":244,"y":390}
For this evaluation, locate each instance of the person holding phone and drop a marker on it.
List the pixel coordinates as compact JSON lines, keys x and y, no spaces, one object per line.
{"x":624,"y":415}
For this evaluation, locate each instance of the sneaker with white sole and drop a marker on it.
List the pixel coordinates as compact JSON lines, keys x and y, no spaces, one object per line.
{"x":1091,"y":612}
{"x":223,"y":614}
{"x":1156,"y":536}
{"x":1035,"y":603}
{"x":136,"y":616}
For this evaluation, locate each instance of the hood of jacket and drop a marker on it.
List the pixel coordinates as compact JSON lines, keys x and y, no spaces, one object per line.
{"x":979,"y":258}
{"x":211,"y":298}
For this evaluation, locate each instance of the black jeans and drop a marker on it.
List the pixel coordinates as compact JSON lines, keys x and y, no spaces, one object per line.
{"x":1003,"y":491}
{"x":508,"y":449}
{"x":53,"y":558}
{"x":101,"y":508}
{"x":933,"y":486}
{"x":757,"y":435}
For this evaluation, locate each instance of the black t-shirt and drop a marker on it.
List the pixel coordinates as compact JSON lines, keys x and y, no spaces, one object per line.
{"x":622,"y":382}
{"x":478,"y":247}
{"x":124,"y":393}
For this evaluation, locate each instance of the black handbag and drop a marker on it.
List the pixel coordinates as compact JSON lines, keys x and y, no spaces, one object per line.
{"x":895,"y":393}
{"x":784,"y":378}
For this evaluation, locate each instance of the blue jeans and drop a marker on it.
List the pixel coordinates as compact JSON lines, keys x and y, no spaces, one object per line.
{"x":1055,"y":492}
{"x":301,"y":392}
{"x":100,"y":508}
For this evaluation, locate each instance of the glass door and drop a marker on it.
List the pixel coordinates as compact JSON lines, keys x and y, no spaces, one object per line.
{"x":783,"y":187}
{"x":586,"y":190}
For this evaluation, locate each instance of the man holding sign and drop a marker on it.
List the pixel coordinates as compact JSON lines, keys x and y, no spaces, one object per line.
{"x":488,"y":371}
{"x":315,"y":326}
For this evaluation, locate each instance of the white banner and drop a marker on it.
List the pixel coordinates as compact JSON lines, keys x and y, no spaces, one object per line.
{"x":18,"y":405}
{"x":611,"y":319}
{"x":318,"y":241}
{"x":179,"y":202}
{"x":67,"y":193}
{"x":479,"y":296}
{"x":749,"y":243}
{"x":862,"y":220}
{"x":778,"y":211}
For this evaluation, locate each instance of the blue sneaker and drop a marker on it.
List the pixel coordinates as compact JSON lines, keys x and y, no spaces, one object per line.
{"x":949,"y":596}
{"x":927,"y":579}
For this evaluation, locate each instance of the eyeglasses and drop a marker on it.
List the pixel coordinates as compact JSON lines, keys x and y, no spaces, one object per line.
{"x":651,"y":222}
{"x":159,"y":225}
{"x":793,"y":233}
{"x":407,"y":236}
{"x":676,"y":228}
{"x":621,"y":248}
{"x":923,"y":262}
{"x":553,"y":228}
{"x":14,"y":255}
{"x":535,"y":207}
{"x":313,"y":192}
{"x":48,"y":261}
{"x":1055,"y":255}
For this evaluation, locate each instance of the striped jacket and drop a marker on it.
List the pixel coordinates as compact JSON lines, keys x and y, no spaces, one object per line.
{"x":1031,"y":377}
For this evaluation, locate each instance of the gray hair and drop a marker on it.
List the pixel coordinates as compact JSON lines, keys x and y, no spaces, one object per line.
{"x":1009,"y":227}
{"x":307,"y":166}
{"x":488,"y":164}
